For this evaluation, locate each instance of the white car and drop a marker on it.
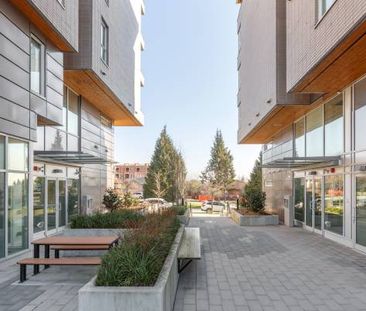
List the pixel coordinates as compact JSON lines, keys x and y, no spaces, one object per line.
{"x":158,"y":203}
{"x":214,"y":206}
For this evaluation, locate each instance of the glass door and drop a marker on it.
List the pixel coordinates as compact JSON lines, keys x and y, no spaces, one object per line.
{"x":39,"y":203}
{"x":51,"y":204}
{"x":360,"y":212}
{"x":61,"y":202}
{"x":313,"y":199}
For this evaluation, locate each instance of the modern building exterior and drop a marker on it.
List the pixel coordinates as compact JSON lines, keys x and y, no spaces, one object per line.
{"x":302,"y":94}
{"x":69,"y":72}
{"x":130,"y":176}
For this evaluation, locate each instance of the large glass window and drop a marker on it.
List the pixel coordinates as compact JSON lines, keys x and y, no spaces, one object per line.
{"x":51,"y":204}
{"x":333,"y":203}
{"x":2,"y":215}
{"x":36,"y":66}
{"x":299,"y":197}
{"x":2,"y":152}
{"x":314,"y":133}
{"x":73,"y":197}
{"x":360,"y":115}
{"x":73,"y":114}
{"x":39,"y":189}
{"x":104,"y":38}
{"x":55,"y":139}
{"x":300,"y":138}
{"x":361,"y":210}
{"x":17,"y":155}
{"x":333,"y":126}
{"x":62,"y":202}
{"x":17,"y":212}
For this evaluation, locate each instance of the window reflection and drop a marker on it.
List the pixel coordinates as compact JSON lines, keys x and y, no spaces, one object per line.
{"x":2,"y":215}
{"x":73,"y":197}
{"x":333,"y":119}
{"x":360,"y":115}
{"x":39,"y":204}
{"x":2,"y":152}
{"x":55,"y":139}
{"x":17,"y":212}
{"x":17,"y":155}
{"x":361,"y":210}
{"x":73,"y":114}
{"x":299,"y":184}
{"x":333,"y":203}
{"x":300,"y":138}
{"x":314,"y":133}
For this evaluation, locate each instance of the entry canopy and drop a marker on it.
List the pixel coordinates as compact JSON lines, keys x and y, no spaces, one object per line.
{"x":69,"y":157}
{"x":301,"y":162}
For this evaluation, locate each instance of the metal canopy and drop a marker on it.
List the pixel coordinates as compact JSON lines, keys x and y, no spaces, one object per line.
{"x":69,"y":157}
{"x":300,"y":162}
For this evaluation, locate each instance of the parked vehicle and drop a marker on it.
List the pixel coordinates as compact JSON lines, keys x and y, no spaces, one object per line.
{"x":138,"y":195}
{"x":157,"y":203}
{"x":214,"y":206}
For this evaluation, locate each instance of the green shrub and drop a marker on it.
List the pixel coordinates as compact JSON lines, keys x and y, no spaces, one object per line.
{"x":138,"y":260}
{"x":113,"y":220}
{"x":179,"y":209}
{"x":256,"y":200}
{"x":112,"y":200}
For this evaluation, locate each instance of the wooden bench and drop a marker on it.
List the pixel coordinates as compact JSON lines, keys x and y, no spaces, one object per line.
{"x":190,"y":248}
{"x":66,"y":261}
{"x":58,"y":248}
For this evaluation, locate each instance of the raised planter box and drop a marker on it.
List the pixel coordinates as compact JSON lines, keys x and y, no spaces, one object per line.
{"x":184,"y":219}
{"x":254,"y":220}
{"x":159,"y":297}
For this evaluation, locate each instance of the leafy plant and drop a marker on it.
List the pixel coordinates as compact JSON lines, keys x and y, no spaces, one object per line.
{"x":256,"y":200}
{"x":113,"y":220}
{"x":179,"y":209}
{"x":112,"y":200}
{"x":139,"y":259}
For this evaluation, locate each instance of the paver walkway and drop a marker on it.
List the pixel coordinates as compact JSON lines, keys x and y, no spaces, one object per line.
{"x":270,"y":268}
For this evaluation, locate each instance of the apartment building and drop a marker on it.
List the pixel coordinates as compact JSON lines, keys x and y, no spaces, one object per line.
{"x":130,"y":176}
{"x":69,"y":72}
{"x":302,"y":94}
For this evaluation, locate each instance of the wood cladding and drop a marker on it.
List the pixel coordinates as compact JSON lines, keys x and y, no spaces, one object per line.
{"x":90,"y":86}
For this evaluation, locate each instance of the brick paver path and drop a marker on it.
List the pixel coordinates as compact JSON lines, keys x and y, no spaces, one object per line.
{"x":270,"y":268}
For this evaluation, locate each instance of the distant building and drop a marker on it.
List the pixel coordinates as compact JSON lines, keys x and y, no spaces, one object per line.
{"x":130,"y":177}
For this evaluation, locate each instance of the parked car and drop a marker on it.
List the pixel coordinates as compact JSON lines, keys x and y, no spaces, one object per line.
{"x":138,"y":195}
{"x":157,"y":203}
{"x":214,"y":206}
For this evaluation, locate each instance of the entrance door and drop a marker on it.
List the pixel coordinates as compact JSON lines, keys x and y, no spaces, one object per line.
{"x":360,"y":212}
{"x":51,"y":204}
{"x":313,"y":198}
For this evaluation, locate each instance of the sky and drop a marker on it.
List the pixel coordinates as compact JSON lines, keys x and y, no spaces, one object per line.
{"x":189,"y":65}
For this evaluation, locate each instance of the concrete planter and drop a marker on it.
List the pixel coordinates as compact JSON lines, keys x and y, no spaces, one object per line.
{"x":254,"y":220}
{"x":159,"y":297}
{"x":184,"y":219}
{"x":90,"y":232}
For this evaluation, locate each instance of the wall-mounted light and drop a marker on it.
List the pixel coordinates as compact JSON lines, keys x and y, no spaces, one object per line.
{"x":103,"y":73}
{"x":269,"y":100}
{"x":257,"y":115}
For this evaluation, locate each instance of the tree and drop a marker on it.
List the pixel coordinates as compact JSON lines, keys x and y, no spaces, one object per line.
{"x":167,"y":171}
{"x":219,"y":173}
{"x":254,"y":197}
{"x":112,"y":200}
{"x":193,"y":188}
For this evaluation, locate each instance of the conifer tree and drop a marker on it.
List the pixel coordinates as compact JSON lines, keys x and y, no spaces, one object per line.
{"x":219,"y":173}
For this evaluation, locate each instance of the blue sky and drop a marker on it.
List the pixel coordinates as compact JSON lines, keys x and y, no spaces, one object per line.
{"x":189,"y":64}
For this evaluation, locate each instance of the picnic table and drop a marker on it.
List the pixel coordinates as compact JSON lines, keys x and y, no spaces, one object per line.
{"x":108,"y":241}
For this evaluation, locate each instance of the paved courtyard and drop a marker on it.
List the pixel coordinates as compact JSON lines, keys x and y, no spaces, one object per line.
{"x":262,"y":268}
{"x":270,"y":268}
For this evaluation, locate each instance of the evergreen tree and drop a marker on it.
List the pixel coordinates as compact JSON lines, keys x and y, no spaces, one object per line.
{"x":219,"y":173}
{"x":167,"y":170}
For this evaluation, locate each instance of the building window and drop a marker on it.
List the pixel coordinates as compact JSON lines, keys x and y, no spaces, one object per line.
{"x":324,"y":6}
{"x":104,"y":41}
{"x":299,"y":198}
{"x":360,"y":115}
{"x":300,"y":138}
{"x":36,"y":66}
{"x":66,"y":136}
{"x":333,"y":126}
{"x":62,"y":2}
{"x":333,"y":203}
{"x":127,"y":169}
{"x":314,"y":133}
{"x":138,"y":169}
{"x":127,"y":176}
{"x":361,"y":210}
{"x":17,"y":155}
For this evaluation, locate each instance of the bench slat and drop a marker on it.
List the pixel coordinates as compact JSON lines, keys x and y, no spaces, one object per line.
{"x":65,"y":261}
{"x":191,"y":244}
{"x":80,"y":247}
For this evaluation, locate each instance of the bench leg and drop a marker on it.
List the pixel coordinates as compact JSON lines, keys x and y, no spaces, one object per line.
{"x":46,"y":254}
{"x":182,"y":265}
{"x":23,"y":273}
{"x":57,"y":253}
{"x":36,"y":255}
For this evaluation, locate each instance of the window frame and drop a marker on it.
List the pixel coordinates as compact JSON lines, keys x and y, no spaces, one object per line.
{"x":104,"y":41}
{"x":42,"y":77}
{"x":320,"y":11}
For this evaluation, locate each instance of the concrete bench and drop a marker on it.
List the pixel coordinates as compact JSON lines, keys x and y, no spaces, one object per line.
{"x":58,"y":248}
{"x":66,"y":261}
{"x":190,"y":248}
